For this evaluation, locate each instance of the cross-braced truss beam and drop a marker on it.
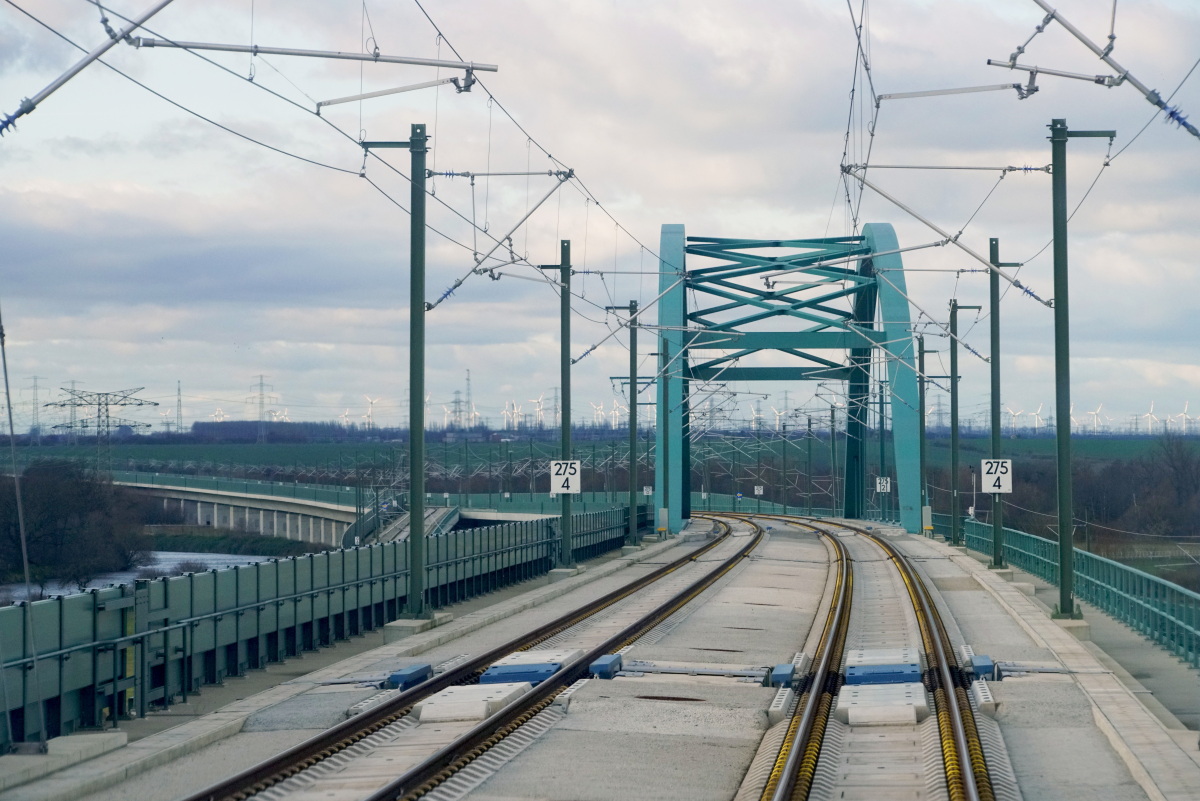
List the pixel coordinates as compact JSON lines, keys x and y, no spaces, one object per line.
{"x":783,"y":310}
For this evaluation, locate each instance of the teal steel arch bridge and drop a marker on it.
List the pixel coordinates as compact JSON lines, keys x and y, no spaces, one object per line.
{"x":821,"y":309}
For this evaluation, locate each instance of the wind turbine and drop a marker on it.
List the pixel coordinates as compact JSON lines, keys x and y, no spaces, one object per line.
{"x":778,"y":416}
{"x":1151,"y":419}
{"x":1012,"y":427}
{"x":218,"y":415}
{"x":615,"y":414}
{"x":1037,"y":418}
{"x":1185,"y":420}
{"x":1096,"y":419}
{"x":538,"y":411}
{"x":756,"y":417}
{"x":345,"y":418}
{"x":597,"y":413}
{"x":1182,"y":417}
{"x":370,"y":415}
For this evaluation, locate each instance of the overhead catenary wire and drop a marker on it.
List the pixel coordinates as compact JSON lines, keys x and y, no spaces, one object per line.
{"x":179,"y":105}
{"x":28,"y":104}
{"x":530,"y":140}
{"x":514,"y":272}
{"x":953,"y":239}
{"x":375,"y":185}
{"x":933,"y":321}
{"x":1154,"y":116}
{"x":498,"y":241}
{"x":1105,"y":55}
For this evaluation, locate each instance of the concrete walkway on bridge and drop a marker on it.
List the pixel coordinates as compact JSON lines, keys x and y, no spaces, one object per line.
{"x":1120,"y":724}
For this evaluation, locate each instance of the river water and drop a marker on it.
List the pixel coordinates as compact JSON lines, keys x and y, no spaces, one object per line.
{"x":160,"y":560}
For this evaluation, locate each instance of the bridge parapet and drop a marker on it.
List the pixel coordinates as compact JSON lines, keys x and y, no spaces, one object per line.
{"x":112,"y":653}
{"x":310,"y":514}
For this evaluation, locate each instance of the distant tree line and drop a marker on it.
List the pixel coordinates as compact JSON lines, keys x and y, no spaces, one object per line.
{"x":77,"y":526}
{"x":1157,"y":494}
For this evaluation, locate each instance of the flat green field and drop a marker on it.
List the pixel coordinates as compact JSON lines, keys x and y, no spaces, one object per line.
{"x":346,"y":454}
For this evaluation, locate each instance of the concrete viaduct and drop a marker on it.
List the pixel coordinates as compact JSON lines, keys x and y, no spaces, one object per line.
{"x":269,"y":515}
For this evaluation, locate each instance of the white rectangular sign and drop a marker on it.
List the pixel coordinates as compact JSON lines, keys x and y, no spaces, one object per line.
{"x":758,"y":489}
{"x":883,"y":484}
{"x":564,"y":478}
{"x":997,"y":475}
{"x":647,"y":491}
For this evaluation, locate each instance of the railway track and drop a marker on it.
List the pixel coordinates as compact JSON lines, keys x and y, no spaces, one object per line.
{"x":462,"y":749}
{"x":965,"y":766}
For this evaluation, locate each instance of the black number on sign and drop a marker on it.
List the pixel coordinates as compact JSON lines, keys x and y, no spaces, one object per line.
{"x":996,"y":467}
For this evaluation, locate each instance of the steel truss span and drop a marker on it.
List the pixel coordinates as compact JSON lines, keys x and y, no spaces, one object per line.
{"x":818,"y":309}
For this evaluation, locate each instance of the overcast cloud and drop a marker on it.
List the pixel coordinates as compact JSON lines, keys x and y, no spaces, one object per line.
{"x":144,"y":246}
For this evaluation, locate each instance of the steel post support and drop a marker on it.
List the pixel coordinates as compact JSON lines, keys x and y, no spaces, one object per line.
{"x":808,"y":466}
{"x":1062,"y":367}
{"x":833,"y":482}
{"x":994,"y":312}
{"x":416,"y":376}
{"x":632,"y":538}
{"x":882,"y":444}
{"x":955,"y":524}
{"x":1062,"y":359}
{"x":783,"y":468}
{"x":858,"y":400}
{"x":758,"y":468}
{"x":416,"y":145}
{"x":566,"y":554}
{"x":955,"y":513}
{"x":921,"y":425}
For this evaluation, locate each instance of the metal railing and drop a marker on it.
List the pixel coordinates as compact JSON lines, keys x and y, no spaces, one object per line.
{"x":316,"y":493}
{"x":749,"y":504}
{"x":112,"y":652}
{"x":1161,"y":610}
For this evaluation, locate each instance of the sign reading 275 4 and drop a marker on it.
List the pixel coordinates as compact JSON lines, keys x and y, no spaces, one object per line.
{"x":564,"y":478}
{"x":997,"y":475}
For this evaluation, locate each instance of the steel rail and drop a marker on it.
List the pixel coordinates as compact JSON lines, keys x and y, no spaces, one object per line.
{"x":794,"y":768}
{"x":321,"y":746}
{"x":961,"y":746}
{"x":455,"y":756}
{"x":967,"y":777}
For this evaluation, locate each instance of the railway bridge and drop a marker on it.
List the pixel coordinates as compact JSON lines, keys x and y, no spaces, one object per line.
{"x":725,"y":653}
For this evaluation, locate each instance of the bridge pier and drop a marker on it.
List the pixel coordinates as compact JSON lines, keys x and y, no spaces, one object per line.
{"x":305,"y":521}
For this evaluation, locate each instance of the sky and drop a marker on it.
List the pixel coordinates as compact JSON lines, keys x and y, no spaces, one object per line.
{"x":220,"y":231}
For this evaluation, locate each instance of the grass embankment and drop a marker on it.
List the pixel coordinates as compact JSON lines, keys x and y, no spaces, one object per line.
{"x":205,"y":539}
